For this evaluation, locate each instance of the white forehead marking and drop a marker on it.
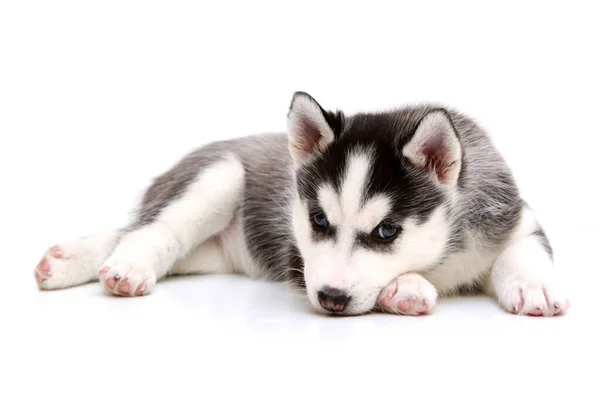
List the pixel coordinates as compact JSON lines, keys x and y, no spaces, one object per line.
{"x":358,"y":168}
{"x":345,"y":210}
{"x":329,"y":201}
{"x":374,"y":210}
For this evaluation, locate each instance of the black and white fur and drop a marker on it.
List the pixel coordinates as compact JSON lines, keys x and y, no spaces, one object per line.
{"x":371,"y":211}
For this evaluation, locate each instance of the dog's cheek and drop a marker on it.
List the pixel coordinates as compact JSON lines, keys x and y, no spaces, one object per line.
{"x":302,"y":233}
{"x":369,"y":272}
{"x":301,"y":227}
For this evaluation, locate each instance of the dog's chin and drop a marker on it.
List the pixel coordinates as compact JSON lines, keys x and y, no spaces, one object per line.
{"x":345,"y":313}
{"x":360,"y":310}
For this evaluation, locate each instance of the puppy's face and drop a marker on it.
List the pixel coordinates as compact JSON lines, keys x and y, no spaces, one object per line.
{"x":369,"y":205}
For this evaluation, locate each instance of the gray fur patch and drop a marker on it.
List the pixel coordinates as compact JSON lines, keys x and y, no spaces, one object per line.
{"x":172,"y":184}
{"x":264,"y":207}
{"x":543,"y":239}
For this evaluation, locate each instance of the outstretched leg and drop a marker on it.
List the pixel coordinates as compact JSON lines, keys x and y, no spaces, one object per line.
{"x":181,"y":213}
{"x":153,"y":246}
{"x":523,"y":277}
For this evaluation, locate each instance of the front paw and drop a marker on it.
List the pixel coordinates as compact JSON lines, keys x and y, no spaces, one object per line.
{"x":534,"y":297}
{"x":408,"y":294}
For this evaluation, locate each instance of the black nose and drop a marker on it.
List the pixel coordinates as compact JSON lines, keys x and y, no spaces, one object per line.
{"x":333,"y":299}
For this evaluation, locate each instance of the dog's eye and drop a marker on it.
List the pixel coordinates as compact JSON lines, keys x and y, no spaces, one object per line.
{"x":320,"y":220}
{"x":386,"y":232}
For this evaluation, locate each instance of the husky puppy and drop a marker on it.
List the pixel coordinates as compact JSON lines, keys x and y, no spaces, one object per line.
{"x":371,"y":211}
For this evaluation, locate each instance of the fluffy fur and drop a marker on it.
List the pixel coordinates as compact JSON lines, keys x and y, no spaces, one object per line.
{"x":371,"y":211}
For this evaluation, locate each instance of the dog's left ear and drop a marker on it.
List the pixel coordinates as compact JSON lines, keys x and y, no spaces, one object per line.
{"x":435,"y":148}
{"x":309,"y":127}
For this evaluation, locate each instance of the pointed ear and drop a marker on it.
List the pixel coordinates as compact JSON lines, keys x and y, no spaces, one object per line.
{"x":435,"y":148}
{"x":307,"y":127}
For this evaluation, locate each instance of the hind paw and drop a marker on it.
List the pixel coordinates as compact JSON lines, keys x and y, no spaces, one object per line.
{"x":43,"y":271}
{"x":127,"y":279}
{"x":61,"y":266}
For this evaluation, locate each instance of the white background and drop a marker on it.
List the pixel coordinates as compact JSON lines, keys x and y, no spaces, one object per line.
{"x":96,"y":98}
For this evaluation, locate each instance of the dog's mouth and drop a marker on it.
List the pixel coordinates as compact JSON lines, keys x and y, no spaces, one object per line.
{"x":341,"y":307}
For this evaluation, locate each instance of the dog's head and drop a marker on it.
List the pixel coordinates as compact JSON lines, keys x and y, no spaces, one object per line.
{"x":371,"y":197}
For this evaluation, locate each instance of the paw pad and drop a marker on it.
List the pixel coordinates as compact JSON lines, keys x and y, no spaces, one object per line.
{"x":56,"y":252}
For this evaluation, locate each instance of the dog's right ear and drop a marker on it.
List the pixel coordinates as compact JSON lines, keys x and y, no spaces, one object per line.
{"x":308,"y":128}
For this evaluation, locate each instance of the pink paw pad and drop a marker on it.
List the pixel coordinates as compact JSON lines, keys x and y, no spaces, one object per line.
{"x":56,"y":252}
{"x":125,"y":287}
{"x":45,"y":266}
{"x":111,"y":282}
{"x":537,"y":312}
{"x":42,"y":272}
{"x":102,"y":272}
{"x":385,"y":302}
{"x":404,"y":305}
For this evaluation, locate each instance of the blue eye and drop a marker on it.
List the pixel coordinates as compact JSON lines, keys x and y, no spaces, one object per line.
{"x":320,"y":220}
{"x":386,"y":232}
